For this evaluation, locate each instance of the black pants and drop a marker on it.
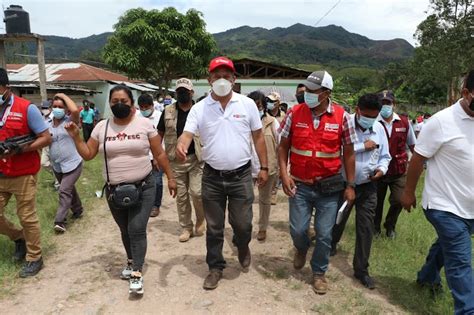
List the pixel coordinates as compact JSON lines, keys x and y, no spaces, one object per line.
{"x":87,"y":130}
{"x":133,"y":222}
{"x":365,"y":203}
{"x":396,"y":184}
{"x":235,"y":192}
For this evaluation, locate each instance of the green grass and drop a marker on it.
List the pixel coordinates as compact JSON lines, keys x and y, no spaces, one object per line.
{"x":394,"y":263}
{"x":46,"y":205}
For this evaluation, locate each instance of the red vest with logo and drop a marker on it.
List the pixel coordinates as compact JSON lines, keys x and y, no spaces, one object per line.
{"x":16,"y":124}
{"x":397,"y":143}
{"x":315,"y":153}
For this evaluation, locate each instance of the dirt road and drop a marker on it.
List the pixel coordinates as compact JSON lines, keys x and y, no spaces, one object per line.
{"x":82,"y":275}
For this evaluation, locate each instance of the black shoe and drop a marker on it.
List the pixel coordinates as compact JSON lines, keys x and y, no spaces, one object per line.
{"x":20,"y":250}
{"x":31,"y":268}
{"x":366,"y":280}
{"x":212,"y":279}
{"x":77,"y":215}
{"x":436,"y":289}
{"x":244,"y":256}
{"x":391,"y":234}
{"x":333,"y":250}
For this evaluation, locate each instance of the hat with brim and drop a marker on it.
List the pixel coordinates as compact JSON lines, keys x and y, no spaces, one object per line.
{"x":221,"y":62}
{"x":319,"y":79}
{"x":184,"y":83}
{"x":386,"y":95}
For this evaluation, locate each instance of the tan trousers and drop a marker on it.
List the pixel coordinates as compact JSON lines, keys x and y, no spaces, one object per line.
{"x":24,"y":190}
{"x":264,"y":201}
{"x":188,"y":181}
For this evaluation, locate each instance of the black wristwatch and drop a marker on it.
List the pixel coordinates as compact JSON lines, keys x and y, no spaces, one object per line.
{"x":351,"y":184}
{"x":262,"y":168}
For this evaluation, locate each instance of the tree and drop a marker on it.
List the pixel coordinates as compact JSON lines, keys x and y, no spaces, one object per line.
{"x":160,"y":45}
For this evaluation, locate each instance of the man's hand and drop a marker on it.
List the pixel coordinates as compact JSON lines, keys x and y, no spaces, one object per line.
{"x":370,"y":145}
{"x":262,"y":178}
{"x":172,"y":187}
{"x":378,"y":175}
{"x":181,"y":151}
{"x":289,"y":186}
{"x":349,"y":195}
{"x":408,"y":200}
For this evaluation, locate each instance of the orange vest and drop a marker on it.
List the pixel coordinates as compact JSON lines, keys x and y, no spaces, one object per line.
{"x":16,"y":124}
{"x":315,"y":153}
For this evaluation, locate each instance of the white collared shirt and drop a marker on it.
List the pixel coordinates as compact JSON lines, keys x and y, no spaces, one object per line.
{"x":369,"y":161}
{"x":225,"y":134}
{"x":447,"y":140}
{"x":411,"y":138}
{"x":154,"y":119}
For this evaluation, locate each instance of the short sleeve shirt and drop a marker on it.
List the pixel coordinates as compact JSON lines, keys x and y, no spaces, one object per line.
{"x":127,"y":149}
{"x":87,"y":116}
{"x":63,"y":153}
{"x":225,"y":134}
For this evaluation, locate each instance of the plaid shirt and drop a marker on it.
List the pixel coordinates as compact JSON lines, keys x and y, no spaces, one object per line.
{"x":349,"y":135}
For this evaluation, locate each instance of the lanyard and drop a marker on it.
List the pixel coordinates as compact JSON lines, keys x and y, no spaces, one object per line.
{"x":5,"y":113}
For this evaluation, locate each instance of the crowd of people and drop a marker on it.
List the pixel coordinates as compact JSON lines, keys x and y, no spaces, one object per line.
{"x":214,"y":152}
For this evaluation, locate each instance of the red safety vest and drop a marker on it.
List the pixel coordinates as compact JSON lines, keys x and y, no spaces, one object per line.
{"x":397,"y":143}
{"x":315,"y":153}
{"x":16,"y":124}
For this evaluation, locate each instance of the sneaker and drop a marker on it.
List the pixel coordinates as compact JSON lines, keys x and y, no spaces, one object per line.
{"x":20,"y":250}
{"x":299,"y":259}
{"x":56,"y":185}
{"x":212,"y":280}
{"x":200,"y":228}
{"x":366,"y":281}
{"x":136,"y":283}
{"x":274,"y":199}
{"x":320,"y":284}
{"x":244,"y":256}
{"x":185,"y":236}
{"x":391,"y":234}
{"x":127,"y":271}
{"x":77,"y":215}
{"x":155,"y":211}
{"x":261,"y":235}
{"x":60,"y":227}
{"x":31,"y":268}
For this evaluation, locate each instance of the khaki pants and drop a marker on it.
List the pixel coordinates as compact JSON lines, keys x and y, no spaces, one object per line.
{"x":264,"y":201}
{"x":188,"y":181}
{"x":24,"y":190}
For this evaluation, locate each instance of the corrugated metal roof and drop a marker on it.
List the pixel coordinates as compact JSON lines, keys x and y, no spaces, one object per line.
{"x":62,"y":72}
{"x":132,"y":86}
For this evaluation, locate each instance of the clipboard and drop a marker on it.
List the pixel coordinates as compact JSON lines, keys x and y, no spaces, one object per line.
{"x":340,"y":212}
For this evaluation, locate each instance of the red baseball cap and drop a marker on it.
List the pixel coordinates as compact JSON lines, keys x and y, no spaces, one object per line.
{"x":221,"y":62}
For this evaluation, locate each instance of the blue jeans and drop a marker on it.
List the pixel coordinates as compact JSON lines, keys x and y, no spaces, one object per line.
{"x":452,"y":250}
{"x":158,"y":175}
{"x":301,"y":209}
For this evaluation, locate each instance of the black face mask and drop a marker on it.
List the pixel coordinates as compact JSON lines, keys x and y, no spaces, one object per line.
{"x":183,"y":97}
{"x":121,"y":110}
{"x":300,"y":98}
{"x":471,"y":106}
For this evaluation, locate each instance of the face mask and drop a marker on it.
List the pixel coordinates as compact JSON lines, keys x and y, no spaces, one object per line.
{"x":167,"y":101}
{"x":222,"y":87}
{"x":3,"y":100}
{"x":387,"y":111}
{"x":471,"y":106}
{"x":146,"y":113}
{"x":183,"y":97}
{"x":300,"y":98}
{"x":45,"y":112}
{"x":366,"y":122}
{"x":121,"y":110}
{"x":262,"y":112}
{"x":59,"y":113}
{"x":270,"y":106}
{"x":312,"y":99}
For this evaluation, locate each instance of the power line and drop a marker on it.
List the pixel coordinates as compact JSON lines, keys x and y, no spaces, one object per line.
{"x":326,"y":14}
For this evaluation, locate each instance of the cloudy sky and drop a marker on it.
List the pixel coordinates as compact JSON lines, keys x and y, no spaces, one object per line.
{"x":376,"y":19}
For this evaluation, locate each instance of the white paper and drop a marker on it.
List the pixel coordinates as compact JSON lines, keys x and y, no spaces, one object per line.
{"x":340,"y":212}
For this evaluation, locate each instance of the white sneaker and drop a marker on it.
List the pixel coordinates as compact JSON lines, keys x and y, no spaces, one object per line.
{"x":127,"y":271}
{"x":136,"y":283}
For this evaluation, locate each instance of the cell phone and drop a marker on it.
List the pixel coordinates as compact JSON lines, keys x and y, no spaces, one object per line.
{"x":377,"y":146}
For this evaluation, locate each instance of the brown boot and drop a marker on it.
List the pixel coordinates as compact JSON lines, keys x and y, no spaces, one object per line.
{"x":212,"y":279}
{"x":185,"y":236}
{"x":200,"y":228}
{"x":244,"y":256}
{"x":320,"y":284}
{"x":261,"y":235}
{"x":155,"y":211}
{"x":311,"y":234}
{"x":299,"y":260}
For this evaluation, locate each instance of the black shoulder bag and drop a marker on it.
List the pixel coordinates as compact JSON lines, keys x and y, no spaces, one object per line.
{"x":121,"y":195}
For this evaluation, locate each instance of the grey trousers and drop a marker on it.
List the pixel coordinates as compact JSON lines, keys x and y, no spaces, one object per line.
{"x":68,"y":196}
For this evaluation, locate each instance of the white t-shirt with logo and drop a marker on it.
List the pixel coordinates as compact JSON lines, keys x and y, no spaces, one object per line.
{"x":225,"y":134}
{"x":447,"y":140}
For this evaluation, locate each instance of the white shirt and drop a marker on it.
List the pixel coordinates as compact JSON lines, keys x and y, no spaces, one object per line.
{"x":154,"y":119}
{"x":447,"y":140}
{"x":369,"y":161}
{"x":411,"y":139}
{"x":225,"y":134}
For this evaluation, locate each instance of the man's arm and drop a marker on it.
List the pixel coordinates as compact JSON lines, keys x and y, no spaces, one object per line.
{"x":260,"y":148}
{"x":43,"y":139}
{"x":415,"y":169}
{"x":184,"y":141}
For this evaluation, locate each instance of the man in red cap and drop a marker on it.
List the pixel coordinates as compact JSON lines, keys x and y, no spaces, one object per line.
{"x":226,"y":121}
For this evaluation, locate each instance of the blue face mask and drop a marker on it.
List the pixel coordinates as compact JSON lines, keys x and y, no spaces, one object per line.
{"x":386,"y":111}
{"x":366,"y":122}
{"x":262,"y":112}
{"x":146,"y":113}
{"x":59,"y":113}
{"x":311,"y":99}
{"x":270,"y":106}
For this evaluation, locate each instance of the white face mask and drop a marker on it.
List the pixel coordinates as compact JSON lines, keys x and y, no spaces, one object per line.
{"x":222,"y":87}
